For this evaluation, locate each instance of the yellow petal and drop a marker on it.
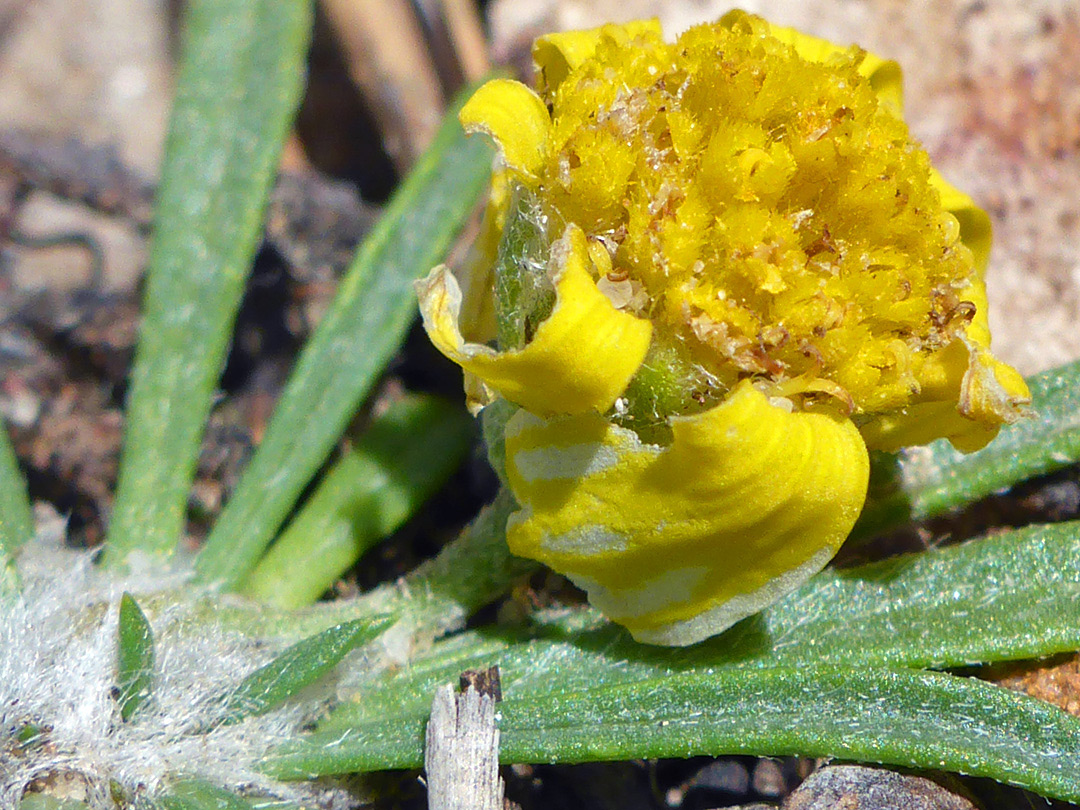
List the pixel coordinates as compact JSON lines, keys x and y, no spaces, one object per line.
{"x":887,"y":80}
{"x":581,"y":358}
{"x":975,"y":227}
{"x":885,"y":75}
{"x":925,"y":422}
{"x":679,"y":543}
{"x":477,"y":276}
{"x":967,"y":394}
{"x":555,"y":55}
{"x":991,"y":391}
{"x":515,"y":117}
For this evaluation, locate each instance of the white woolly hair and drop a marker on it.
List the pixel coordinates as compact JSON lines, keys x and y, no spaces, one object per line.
{"x":58,"y":647}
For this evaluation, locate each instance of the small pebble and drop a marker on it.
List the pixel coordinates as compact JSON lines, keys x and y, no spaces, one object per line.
{"x":854,"y":787}
{"x":768,"y":778}
{"x":727,"y":775}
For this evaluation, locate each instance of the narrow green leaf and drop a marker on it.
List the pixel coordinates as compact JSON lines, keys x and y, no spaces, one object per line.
{"x":895,"y":717}
{"x":196,"y":794}
{"x":522,"y":655}
{"x":1013,"y":596}
{"x":403,"y":457}
{"x":1006,"y":597}
{"x":299,"y":666}
{"x":241,"y":75}
{"x":134,"y":658}
{"x":898,"y":717}
{"x":16,"y":519}
{"x":922,"y":482}
{"x":371,"y":312}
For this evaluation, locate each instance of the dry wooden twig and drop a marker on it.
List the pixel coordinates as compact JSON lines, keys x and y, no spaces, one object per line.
{"x":462,"y":753}
{"x":387,"y":57}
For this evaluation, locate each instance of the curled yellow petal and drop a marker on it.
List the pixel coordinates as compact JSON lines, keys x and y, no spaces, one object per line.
{"x":991,"y":391}
{"x":476,"y":319}
{"x":555,"y":55}
{"x":967,"y":394}
{"x":515,"y":117}
{"x":580,"y":359}
{"x":679,"y":542}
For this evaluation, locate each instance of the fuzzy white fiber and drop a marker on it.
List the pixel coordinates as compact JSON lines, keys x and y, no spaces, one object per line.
{"x":58,"y":670}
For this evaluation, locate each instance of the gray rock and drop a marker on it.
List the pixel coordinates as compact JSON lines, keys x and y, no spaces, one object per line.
{"x":854,"y":787}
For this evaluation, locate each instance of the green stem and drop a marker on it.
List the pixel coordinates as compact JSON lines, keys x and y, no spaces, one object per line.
{"x":433,"y":599}
{"x":16,"y":517}
{"x":405,"y":455}
{"x":471,"y":571}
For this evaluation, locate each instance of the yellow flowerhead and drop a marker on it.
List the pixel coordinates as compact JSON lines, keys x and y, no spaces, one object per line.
{"x":713,"y":274}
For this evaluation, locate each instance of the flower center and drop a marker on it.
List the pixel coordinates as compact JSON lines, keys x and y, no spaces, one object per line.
{"x":770,"y":216}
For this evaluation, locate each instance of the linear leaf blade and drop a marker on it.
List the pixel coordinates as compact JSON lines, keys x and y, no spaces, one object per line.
{"x":196,"y":794}
{"x":365,"y":324}
{"x":896,"y":717}
{"x":405,"y":454}
{"x":1009,"y":597}
{"x":16,"y":518}
{"x":241,"y":75}
{"x":299,"y":666}
{"x":134,"y":658}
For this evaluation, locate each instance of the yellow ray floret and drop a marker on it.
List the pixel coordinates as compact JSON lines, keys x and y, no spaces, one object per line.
{"x":515,"y":117}
{"x":965,"y":392}
{"x":678,"y":543}
{"x":581,"y":357}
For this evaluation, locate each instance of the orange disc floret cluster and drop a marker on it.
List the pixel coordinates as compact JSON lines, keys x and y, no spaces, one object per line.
{"x":769,"y":214}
